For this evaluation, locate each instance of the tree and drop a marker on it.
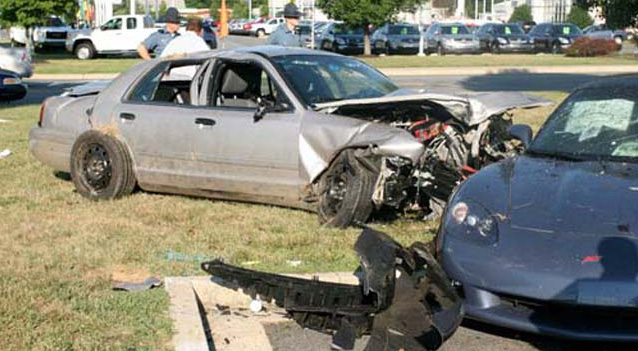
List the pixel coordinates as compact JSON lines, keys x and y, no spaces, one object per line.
{"x":33,"y":13}
{"x":618,"y":13}
{"x":522,"y":13}
{"x":366,"y":13}
{"x":579,"y":17}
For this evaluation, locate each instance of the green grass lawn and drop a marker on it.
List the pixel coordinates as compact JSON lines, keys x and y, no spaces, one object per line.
{"x":61,"y":63}
{"x":59,"y":252}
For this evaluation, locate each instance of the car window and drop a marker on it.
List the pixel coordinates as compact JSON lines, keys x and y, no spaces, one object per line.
{"x":54,"y":22}
{"x":566,"y":29}
{"x":168,"y":82}
{"x":242,"y":85}
{"x":509,"y":29}
{"x":113,"y":24}
{"x":601,"y":123}
{"x":403,"y":30}
{"x":455,"y":30}
{"x":131,"y":23}
{"x":344,"y":29}
{"x":318,"y":79}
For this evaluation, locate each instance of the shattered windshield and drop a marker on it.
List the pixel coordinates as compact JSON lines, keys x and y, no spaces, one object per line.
{"x":593,"y":124}
{"x":319,"y":78}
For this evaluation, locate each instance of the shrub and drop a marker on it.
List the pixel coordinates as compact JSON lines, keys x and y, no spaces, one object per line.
{"x":522,"y":13}
{"x":579,"y":17}
{"x":588,"y":47}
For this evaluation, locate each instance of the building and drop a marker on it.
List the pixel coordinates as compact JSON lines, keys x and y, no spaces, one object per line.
{"x":542,"y":10}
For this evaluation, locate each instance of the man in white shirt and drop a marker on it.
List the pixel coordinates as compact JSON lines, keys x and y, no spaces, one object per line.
{"x":190,"y":41}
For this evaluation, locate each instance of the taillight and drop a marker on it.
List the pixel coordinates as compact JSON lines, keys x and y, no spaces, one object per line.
{"x":41,"y":113}
{"x":247,"y":26}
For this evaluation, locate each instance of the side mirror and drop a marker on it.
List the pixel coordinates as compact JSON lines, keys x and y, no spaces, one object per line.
{"x":522,"y":132}
{"x":265,"y":106}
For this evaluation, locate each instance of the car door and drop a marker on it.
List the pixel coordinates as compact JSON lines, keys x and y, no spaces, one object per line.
{"x":133,"y":34}
{"x":238,"y":154}
{"x":159,"y":129}
{"x":109,"y":36}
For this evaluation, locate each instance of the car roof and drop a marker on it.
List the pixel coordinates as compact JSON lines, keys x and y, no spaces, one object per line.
{"x":629,"y":81}
{"x":262,"y":50}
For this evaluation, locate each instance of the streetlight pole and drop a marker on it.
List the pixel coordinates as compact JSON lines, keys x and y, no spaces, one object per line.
{"x":421,"y":41}
{"x":132,"y":9}
{"x":250,"y":10}
{"x":312,"y":29}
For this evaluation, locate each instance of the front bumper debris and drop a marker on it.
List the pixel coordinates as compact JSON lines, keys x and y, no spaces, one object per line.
{"x":404,"y":300}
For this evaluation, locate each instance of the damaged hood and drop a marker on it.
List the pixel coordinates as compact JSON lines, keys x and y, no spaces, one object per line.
{"x":582,"y":198}
{"x":471,"y":109}
{"x":323,"y":136}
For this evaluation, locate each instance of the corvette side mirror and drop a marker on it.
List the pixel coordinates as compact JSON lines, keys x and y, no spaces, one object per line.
{"x":522,"y":132}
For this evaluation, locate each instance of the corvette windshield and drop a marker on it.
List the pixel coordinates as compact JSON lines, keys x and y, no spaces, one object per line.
{"x":318,"y":78}
{"x":593,"y":124}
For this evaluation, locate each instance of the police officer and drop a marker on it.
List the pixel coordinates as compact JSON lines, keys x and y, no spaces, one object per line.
{"x":157,"y":41}
{"x":285,"y":35}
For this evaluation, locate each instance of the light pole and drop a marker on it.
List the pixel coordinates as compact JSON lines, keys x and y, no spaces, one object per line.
{"x":421,"y":41}
{"x":312,"y":29}
{"x":250,"y":10}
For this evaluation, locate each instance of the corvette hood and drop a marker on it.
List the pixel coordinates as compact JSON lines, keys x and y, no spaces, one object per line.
{"x":584,"y":198}
{"x":471,"y":109}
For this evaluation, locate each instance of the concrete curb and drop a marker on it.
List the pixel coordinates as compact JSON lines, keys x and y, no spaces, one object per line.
{"x":479,"y":71}
{"x":421,"y":71}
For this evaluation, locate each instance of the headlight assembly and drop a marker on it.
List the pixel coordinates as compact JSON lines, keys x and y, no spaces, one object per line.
{"x":472,"y":222}
{"x":502,"y":41}
{"x":563,"y":40}
{"x":341,"y":41}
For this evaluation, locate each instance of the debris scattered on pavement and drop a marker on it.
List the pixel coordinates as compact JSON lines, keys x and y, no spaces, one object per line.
{"x":147,"y":284}
{"x":5,"y":153}
{"x":403,"y":301}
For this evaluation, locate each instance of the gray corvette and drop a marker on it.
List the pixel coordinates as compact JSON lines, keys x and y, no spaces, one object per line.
{"x":289,"y":127}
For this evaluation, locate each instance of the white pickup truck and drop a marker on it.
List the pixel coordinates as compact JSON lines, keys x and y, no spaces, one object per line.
{"x":119,"y":35}
{"x":53,"y":33}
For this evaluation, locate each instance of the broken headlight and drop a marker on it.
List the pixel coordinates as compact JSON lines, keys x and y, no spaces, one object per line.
{"x":473,"y":222}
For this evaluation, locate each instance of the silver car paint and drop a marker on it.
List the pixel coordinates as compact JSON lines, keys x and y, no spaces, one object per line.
{"x":270,"y":161}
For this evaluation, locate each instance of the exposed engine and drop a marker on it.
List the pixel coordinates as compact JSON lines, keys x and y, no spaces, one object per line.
{"x":454,"y":151}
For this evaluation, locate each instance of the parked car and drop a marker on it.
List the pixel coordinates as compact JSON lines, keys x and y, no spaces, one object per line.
{"x":396,"y":38}
{"x":508,"y":37}
{"x":16,"y":60}
{"x":11,"y":86}
{"x":118,"y":36}
{"x":304,"y":30}
{"x":341,"y":38}
{"x":52,"y":33}
{"x":236,"y":26}
{"x":292,"y":127}
{"x":554,"y":37}
{"x":602,"y":32}
{"x":444,"y":38}
{"x":544,"y":242}
{"x":209,"y":35}
{"x":265,"y":27}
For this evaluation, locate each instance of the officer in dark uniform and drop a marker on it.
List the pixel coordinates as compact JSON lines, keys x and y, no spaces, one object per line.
{"x":285,"y":35}
{"x":157,"y":41}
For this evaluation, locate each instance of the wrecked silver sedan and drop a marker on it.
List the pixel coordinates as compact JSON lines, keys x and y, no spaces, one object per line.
{"x":290,"y":127}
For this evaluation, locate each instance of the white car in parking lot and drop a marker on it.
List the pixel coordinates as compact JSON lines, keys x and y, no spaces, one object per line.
{"x":265,"y":28}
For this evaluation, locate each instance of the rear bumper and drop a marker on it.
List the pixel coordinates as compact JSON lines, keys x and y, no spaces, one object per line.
{"x":51,"y":148}
{"x":12,"y":92}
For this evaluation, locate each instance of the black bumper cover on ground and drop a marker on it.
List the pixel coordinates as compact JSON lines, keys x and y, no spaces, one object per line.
{"x":404,"y":300}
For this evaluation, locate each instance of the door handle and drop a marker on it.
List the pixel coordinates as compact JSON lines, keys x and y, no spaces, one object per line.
{"x":127,"y":116}
{"x":205,"y":122}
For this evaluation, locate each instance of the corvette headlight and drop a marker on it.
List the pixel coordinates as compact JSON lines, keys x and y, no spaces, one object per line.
{"x":341,"y":41}
{"x":502,"y":41}
{"x":563,"y":40}
{"x":472,"y":222}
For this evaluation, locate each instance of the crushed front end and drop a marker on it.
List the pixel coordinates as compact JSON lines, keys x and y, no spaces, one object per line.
{"x":404,"y":300}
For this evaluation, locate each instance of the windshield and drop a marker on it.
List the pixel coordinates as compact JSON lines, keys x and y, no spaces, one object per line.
{"x":566,"y":29}
{"x":593,"y":124}
{"x":304,"y":30}
{"x":454,"y":30}
{"x":509,"y":29}
{"x":344,"y":29}
{"x":53,"y":22}
{"x":319,"y":78}
{"x":403,"y":30}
